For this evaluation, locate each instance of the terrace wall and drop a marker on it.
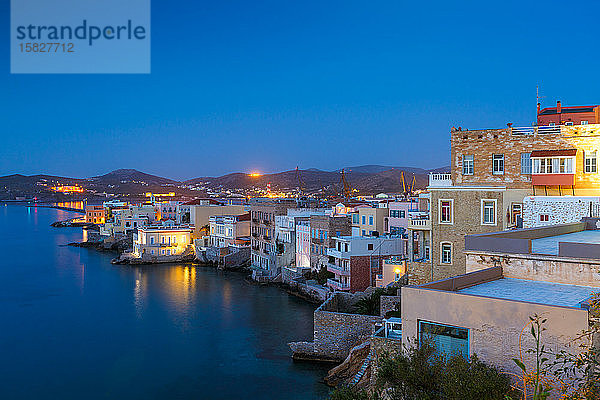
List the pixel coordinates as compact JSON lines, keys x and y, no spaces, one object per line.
{"x":495,"y":325}
{"x":582,"y":272}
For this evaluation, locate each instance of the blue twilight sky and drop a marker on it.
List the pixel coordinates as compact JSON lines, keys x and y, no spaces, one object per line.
{"x":257,"y":85}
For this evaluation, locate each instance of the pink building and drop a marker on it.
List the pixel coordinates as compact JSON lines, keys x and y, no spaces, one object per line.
{"x":397,"y":220}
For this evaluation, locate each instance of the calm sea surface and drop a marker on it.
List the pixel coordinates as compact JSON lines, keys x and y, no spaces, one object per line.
{"x":73,"y":326}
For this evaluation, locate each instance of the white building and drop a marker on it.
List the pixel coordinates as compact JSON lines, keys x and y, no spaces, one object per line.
{"x":228,"y":230}
{"x":303,"y":244}
{"x":161,"y":241}
{"x":553,"y":210}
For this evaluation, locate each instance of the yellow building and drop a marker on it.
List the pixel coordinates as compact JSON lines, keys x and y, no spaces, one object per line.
{"x":200,"y":216}
{"x":367,"y":220}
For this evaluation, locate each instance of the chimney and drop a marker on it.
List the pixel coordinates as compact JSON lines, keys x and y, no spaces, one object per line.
{"x":539,"y":107}
{"x":558,"y":107}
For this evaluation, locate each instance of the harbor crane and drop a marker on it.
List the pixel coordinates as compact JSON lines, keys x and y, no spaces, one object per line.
{"x":347,"y":189}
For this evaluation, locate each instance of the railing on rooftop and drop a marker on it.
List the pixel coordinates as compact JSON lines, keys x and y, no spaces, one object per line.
{"x":440,"y":179}
{"x":534,"y":130}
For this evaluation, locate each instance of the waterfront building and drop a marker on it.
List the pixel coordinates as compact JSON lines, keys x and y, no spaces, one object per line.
{"x":200,"y":216}
{"x":492,"y":172}
{"x":303,"y":244}
{"x":95,"y":214}
{"x":227,"y":230}
{"x":262,"y":230}
{"x":162,"y":242}
{"x":323,"y":230}
{"x":357,"y":260}
{"x":511,"y":276}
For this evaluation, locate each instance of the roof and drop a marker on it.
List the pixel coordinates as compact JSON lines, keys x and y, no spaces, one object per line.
{"x":567,"y":110}
{"x":554,"y":153}
{"x":555,"y":294}
{"x":550,"y":245}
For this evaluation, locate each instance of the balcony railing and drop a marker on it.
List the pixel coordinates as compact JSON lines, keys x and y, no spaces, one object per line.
{"x":336,"y":285}
{"x":420,"y":224}
{"x":438,"y":180}
{"x":535,"y":130}
{"x":337,"y":269}
{"x":337,"y":254}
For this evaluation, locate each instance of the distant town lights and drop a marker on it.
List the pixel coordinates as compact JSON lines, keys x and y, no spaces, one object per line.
{"x":254,"y":174}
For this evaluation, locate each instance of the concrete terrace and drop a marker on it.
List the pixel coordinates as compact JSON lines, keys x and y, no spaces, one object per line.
{"x":550,"y":245}
{"x":554,"y":294}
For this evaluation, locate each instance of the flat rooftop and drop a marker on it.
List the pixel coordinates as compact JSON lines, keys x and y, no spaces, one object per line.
{"x":549,"y":245}
{"x":555,"y":294}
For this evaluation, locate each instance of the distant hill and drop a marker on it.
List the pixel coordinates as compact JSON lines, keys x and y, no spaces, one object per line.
{"x":131,"y":175}
{"x":375,"y":169}
{"x":368,"y":179}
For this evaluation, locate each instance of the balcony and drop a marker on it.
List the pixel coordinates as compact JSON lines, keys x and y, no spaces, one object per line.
{"x":338,"y":254}
{"x":440,"y":180}
{"x":338,"y":270}
{"x":420,"y":224}
{"x":553,"y":179}
{"x":335,"y":285}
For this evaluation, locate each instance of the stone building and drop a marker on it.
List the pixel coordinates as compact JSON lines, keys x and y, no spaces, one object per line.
{"x":492,"y":171}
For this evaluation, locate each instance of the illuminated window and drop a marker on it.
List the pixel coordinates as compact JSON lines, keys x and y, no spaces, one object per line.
{"x":584,"y":122}
{"x":468,"y":164}
{"x":590,"y":162}
{"x":446,"y":211}
{"x":446,"y":253}
{"x":498,"y":164}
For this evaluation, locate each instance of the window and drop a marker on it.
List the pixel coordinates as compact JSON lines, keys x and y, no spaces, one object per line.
{"x":370,"y":220}
{"x":516,"y":211}
{"x":355,"y":218}
{"x":590,"y":162}
{"x":446,"y":253}
{"x":370,"y":246}
{"x":584,"y":122}
{"x":364,"y":232}
{"x":152,"y":240}
{"x":447,"y":340}
{"x":468,"y":164}
{"x":488,"y":212}
{"x":446,"y":211}
{"x":554,"y":165}
{"x":402,"y":214}
{"x":526,"y":163}
{"x":498,"y":164}
{"x":364,"y":219}
{"x":544,"y":217}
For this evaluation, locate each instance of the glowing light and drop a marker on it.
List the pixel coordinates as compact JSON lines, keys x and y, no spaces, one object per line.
{"x":397,"y":270}
{"x":254,"y":174}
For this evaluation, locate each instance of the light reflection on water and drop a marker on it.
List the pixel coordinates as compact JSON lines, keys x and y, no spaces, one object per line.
{"x":94,"y":330}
